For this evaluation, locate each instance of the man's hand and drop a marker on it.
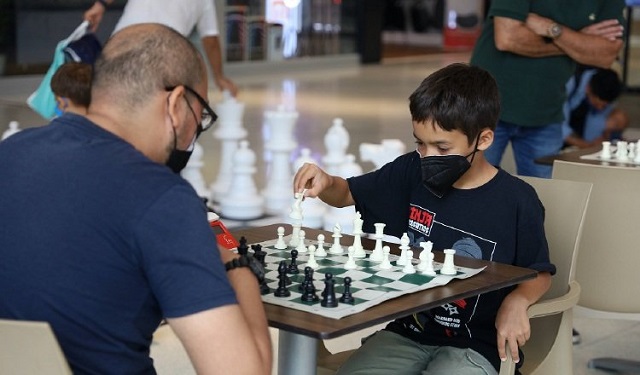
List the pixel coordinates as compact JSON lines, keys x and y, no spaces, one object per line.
{"x":225,"y":83}
{"x":94,"y":16}
{"x":608,"y":29}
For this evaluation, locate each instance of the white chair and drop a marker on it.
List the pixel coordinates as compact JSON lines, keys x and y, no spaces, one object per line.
{"x":609,"y":254}
{"x":549,"y":350}
{"x":30,"y":348}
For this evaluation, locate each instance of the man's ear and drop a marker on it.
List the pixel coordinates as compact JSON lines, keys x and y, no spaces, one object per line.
{"x":175,"y":105}
{"x":486,"y":139}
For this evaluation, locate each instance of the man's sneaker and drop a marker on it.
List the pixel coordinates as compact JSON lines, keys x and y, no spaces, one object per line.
{"x":576,"y":337}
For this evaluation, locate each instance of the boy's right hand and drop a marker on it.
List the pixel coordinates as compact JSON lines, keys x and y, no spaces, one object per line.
{"x":94,"y":16}
{"x":312,"y":178}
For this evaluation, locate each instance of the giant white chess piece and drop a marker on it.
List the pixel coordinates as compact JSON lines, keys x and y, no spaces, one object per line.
{"x":229,"y":131}
{"x":243,"y":201}
{"x":192,"y":172}
{"x":280,"y":143}
{"x":381,"y":154}
{"x":14,"y":127}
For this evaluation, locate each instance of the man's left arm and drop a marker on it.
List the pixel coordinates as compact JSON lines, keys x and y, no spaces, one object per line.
{"x":595,"y":45}
{"x":211,"y":45}
{"x":512,"y":321}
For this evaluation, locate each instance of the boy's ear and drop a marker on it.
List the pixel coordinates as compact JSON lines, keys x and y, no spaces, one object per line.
{"x":485,"y":140}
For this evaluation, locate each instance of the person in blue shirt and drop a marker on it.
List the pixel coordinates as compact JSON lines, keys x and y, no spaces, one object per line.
{"x":591,"y":113}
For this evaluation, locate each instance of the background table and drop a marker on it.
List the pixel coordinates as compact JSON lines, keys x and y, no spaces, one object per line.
{"x":300,"y":331}
{"x":575,"y":156}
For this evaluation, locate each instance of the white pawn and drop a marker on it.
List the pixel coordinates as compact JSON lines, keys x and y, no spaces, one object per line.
{"x":376,"y":254}
{"x":320,"y":251}
{"x":280,"y":244}
{"x":637,"y":158}
{"x":386,"y":264}
{"x":295,"y":234}
{"x":632,"y":151}
{"x":404,"y":246}
{"x":408,"y":267}
{"x":448,"y":268}
{"x":14,"y":127}
{"x":243,"y":202}
{"x":336,"y":248}
{"x":621,"y":151}
{"x":311,"y":262}
{"x":351,"y":262}
{"x":606,"y":150}
{"x":302,"y":248}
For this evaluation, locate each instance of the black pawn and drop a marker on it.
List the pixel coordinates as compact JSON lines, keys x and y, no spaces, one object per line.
{"x":282,"y":290}
{"x":293,"y":266}
{"x":329,"y":294}
{"x":243,"y":249}
{"x":264,"y":288}
{"x":308,"y":279}
{"x":346,"y":296}
{"x":309,"y":294}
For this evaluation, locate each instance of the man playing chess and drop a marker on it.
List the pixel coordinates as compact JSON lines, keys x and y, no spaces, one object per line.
{"x":447,"y":193}
{"x":102,"y":240}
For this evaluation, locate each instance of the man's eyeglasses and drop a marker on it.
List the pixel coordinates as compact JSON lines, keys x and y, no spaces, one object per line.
{"x":208,"y":117}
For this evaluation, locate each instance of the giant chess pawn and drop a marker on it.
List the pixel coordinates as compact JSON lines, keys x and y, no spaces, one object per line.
{"x":243,"y":201}
{"x":229,"y":131}
{"x":278,"y":147}
{"x":14,"y":127}
{"x":336,"y":141}
{"x":192,"y":172}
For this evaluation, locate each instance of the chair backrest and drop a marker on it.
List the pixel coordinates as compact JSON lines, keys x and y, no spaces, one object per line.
{"x":565,"y":205}
{"x":30,"y":348}
{"x":609,"y":252}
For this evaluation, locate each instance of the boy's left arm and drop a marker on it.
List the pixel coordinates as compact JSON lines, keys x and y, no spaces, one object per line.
{"x":512,"y":321}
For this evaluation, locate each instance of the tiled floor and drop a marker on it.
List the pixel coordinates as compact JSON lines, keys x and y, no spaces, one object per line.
{"x":372,"y":101}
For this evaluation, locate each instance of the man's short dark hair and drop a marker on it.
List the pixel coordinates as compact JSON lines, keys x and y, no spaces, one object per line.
{"x":606,"y":85}
{"x":72,"y":80}
{"x":458,"y":96}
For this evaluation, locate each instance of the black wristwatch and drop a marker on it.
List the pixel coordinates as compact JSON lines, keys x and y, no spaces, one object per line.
{"x":245,"y":261}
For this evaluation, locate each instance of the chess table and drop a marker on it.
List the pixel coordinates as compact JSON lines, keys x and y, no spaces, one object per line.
{"x":300,"y":330}
{"x":576,"y":156}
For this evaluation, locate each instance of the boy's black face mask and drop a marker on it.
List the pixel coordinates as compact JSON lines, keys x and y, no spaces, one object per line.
{"x":440,"y":172}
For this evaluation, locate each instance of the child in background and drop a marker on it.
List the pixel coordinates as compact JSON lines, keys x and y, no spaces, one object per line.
{"x":71,"y":85}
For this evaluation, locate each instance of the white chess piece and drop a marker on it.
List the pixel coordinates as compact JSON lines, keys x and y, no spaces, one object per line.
{"x":14,"y":127}
{"x":243,"y":202}
{"x":320,"y":251}
{"x":426,"y":249}
{"x":336,"y":248}
{"x":383,"y":153}
{"x":637,"y":158}
{"x":621,"y":151}
{"x":448,"y":268}
{"x":376,"y":254}
{"x":302,"y":247}
{"x":351,"y":262}
{"x":192,"y":172}
{"x":632,"y":151}
{"x":280,"y":244}
{"x":408,"y":266}
{"x":295,"y":234}
{"x":357,"y":237}
{"x":385,"y":264}
{"x":605,"y":154}
{"x":296,"y":208}
{"x":311,"y":262}
{"x":404,"y":246}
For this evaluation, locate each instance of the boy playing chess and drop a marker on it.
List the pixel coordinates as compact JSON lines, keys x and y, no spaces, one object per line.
{"x":447,"y":193}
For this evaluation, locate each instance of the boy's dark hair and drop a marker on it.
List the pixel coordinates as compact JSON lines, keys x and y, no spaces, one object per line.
{"x":72,"y":80}
{"x":458,"y":96}
{"x":606,"y":85}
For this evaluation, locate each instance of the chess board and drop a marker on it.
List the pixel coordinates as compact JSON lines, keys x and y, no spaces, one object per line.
{"x":370,"y":285}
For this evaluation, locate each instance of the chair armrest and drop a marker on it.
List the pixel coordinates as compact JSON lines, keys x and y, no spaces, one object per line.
{"x":556,"y":305}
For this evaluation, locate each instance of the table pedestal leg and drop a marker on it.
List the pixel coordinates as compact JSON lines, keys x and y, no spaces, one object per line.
{"x":296,"y":354}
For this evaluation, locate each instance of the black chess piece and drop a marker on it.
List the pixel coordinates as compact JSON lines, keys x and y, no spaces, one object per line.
{"x":282,"y":290}
{"x":243,"y":249}
{"x":259,"y":254}
{"x":264,"y":288}
{"x":309,"y":294}
{"x":308,"y":278}
{"x":346,"y":295}
{"x":329,"y":294}
{"x":293,"y":266}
